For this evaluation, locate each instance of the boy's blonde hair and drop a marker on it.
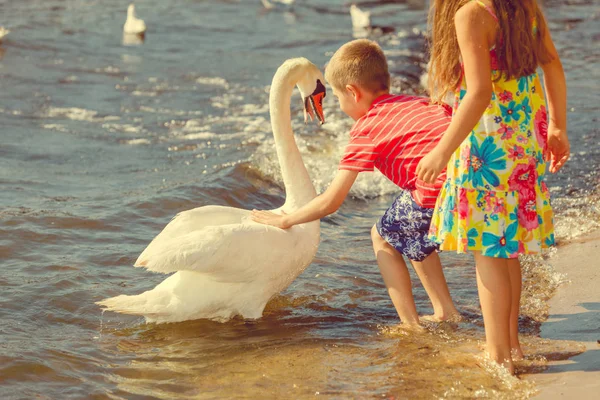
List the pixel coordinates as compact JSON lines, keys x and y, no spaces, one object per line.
{"x":360,"y":62}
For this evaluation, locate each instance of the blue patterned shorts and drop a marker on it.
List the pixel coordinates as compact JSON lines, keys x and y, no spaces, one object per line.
{"x":405,"y":226}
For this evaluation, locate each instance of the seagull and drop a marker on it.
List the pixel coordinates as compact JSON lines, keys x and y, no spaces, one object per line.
{"x":133,"y":25}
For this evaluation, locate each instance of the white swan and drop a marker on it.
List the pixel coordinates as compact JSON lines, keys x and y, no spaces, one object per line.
{"x":133,"y":25}
{"x":360,"y":19}
{"x":272,"y":3}
{"x":3,"y":32}
{"x":361,"y":24}
{"x":225,"y":264}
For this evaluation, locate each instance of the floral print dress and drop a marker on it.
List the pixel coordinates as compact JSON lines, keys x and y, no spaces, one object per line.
{"x":495,"y":199}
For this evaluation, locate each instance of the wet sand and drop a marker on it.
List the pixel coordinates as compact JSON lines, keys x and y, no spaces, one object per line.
{"x":574,"y":315}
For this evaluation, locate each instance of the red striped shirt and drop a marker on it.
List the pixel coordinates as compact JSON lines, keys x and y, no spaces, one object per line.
{"x":393,"y":136}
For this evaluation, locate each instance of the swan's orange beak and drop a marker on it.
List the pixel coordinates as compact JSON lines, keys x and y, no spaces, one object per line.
{"x":313,"y":104}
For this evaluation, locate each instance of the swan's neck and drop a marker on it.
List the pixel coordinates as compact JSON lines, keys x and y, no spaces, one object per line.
{"x":298,"y":186}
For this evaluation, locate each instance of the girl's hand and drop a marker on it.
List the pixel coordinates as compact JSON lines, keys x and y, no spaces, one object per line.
{"x":431,"y":166}
{"x":559,"y":148}
{"x":270,"y":218}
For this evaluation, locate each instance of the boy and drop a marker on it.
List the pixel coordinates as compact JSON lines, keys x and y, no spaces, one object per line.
{"x":391,"y":133}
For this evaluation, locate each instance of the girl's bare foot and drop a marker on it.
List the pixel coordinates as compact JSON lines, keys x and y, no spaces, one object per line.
{"x":506,"y":364}
{"x":517,"y":353}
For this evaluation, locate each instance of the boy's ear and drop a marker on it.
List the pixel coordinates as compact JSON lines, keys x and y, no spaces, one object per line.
{"x":355,"y":92}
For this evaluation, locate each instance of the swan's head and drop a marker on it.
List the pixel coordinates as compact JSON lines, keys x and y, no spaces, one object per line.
{"x":312,"y":89}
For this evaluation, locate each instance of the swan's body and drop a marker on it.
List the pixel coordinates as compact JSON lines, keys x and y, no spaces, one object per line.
{"x":133,"y":25}
{"x":225,"y":264}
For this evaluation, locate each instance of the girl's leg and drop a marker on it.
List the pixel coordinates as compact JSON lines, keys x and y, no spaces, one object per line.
{"x":495,"y":295}
{"x":432,"y":277}
{"x":514,"y":271}
{"x":397,"y":280}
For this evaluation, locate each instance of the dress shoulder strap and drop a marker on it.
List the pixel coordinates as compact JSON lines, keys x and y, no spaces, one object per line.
{"x":488,"y":8}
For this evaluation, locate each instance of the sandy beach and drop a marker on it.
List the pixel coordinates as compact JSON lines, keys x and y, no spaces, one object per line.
{"x":574,"y":315}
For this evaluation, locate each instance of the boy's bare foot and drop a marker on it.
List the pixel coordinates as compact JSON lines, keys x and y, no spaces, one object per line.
{"x":405,"y":328}
{"x":413,"y":327}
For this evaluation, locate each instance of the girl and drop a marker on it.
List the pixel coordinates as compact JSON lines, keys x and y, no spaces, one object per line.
{"x":495,"y":202}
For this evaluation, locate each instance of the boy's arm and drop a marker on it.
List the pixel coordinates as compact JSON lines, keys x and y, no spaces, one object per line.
{"x":319,"y":207}
{"x":556,"y":93}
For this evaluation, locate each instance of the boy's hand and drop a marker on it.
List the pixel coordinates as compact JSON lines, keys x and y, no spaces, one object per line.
{"x":270,"y":218}
{"x":559,"y":148}
{"x":431,"y":166}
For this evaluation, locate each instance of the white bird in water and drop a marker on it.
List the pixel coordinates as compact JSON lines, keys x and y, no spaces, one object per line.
{"x":360,"y":19}
{"x":361,"y":24}
{"x":269,"y":4}
{"x":3,"y":32}
{"x":225,"y":264}
{"x":133,"y":25}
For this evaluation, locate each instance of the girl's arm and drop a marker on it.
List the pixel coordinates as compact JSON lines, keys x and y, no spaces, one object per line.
{"x":556,"y":92}
{"x":475,"y":31}
{"x":319,"y":207}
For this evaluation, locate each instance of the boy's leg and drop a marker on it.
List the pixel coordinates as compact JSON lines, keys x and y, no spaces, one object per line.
{"x":495,"y":295}
{"x":397,"y":280}
{"x":432,"y":277}
{"x":514,"y":271}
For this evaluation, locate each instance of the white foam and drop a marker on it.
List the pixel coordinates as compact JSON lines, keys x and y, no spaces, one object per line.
{"x":77,"y":114}
{"x":74,"y":113}
{"x":168,"y":111}
{"x":55,"y":127}
{"x":213,"y":81}
{"x":109,"y":70}
{"x":321,"y":155}
{"x":137,"y":141}
{"x":252,"y":109}
{"x":226,"y":100}
{"x":576,"y":216}
{"x":126,"y":128}
{"x":200,"y":136}
{"x":143,"y":93}
{"x":398,"y":52}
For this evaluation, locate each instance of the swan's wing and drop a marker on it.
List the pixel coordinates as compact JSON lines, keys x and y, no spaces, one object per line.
{"x":193,"y":220}
{"x":234,"y":252}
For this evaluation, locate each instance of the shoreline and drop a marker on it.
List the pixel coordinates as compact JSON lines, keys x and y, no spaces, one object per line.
{"x":574,"y":314}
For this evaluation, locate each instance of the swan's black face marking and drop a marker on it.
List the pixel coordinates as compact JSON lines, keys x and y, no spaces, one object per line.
{"x":320,"y":89}
{"x":313,"y":104}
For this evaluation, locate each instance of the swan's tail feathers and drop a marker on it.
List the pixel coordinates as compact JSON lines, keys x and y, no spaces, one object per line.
{"x":134,"y":305}
{"x":140,"y":263}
